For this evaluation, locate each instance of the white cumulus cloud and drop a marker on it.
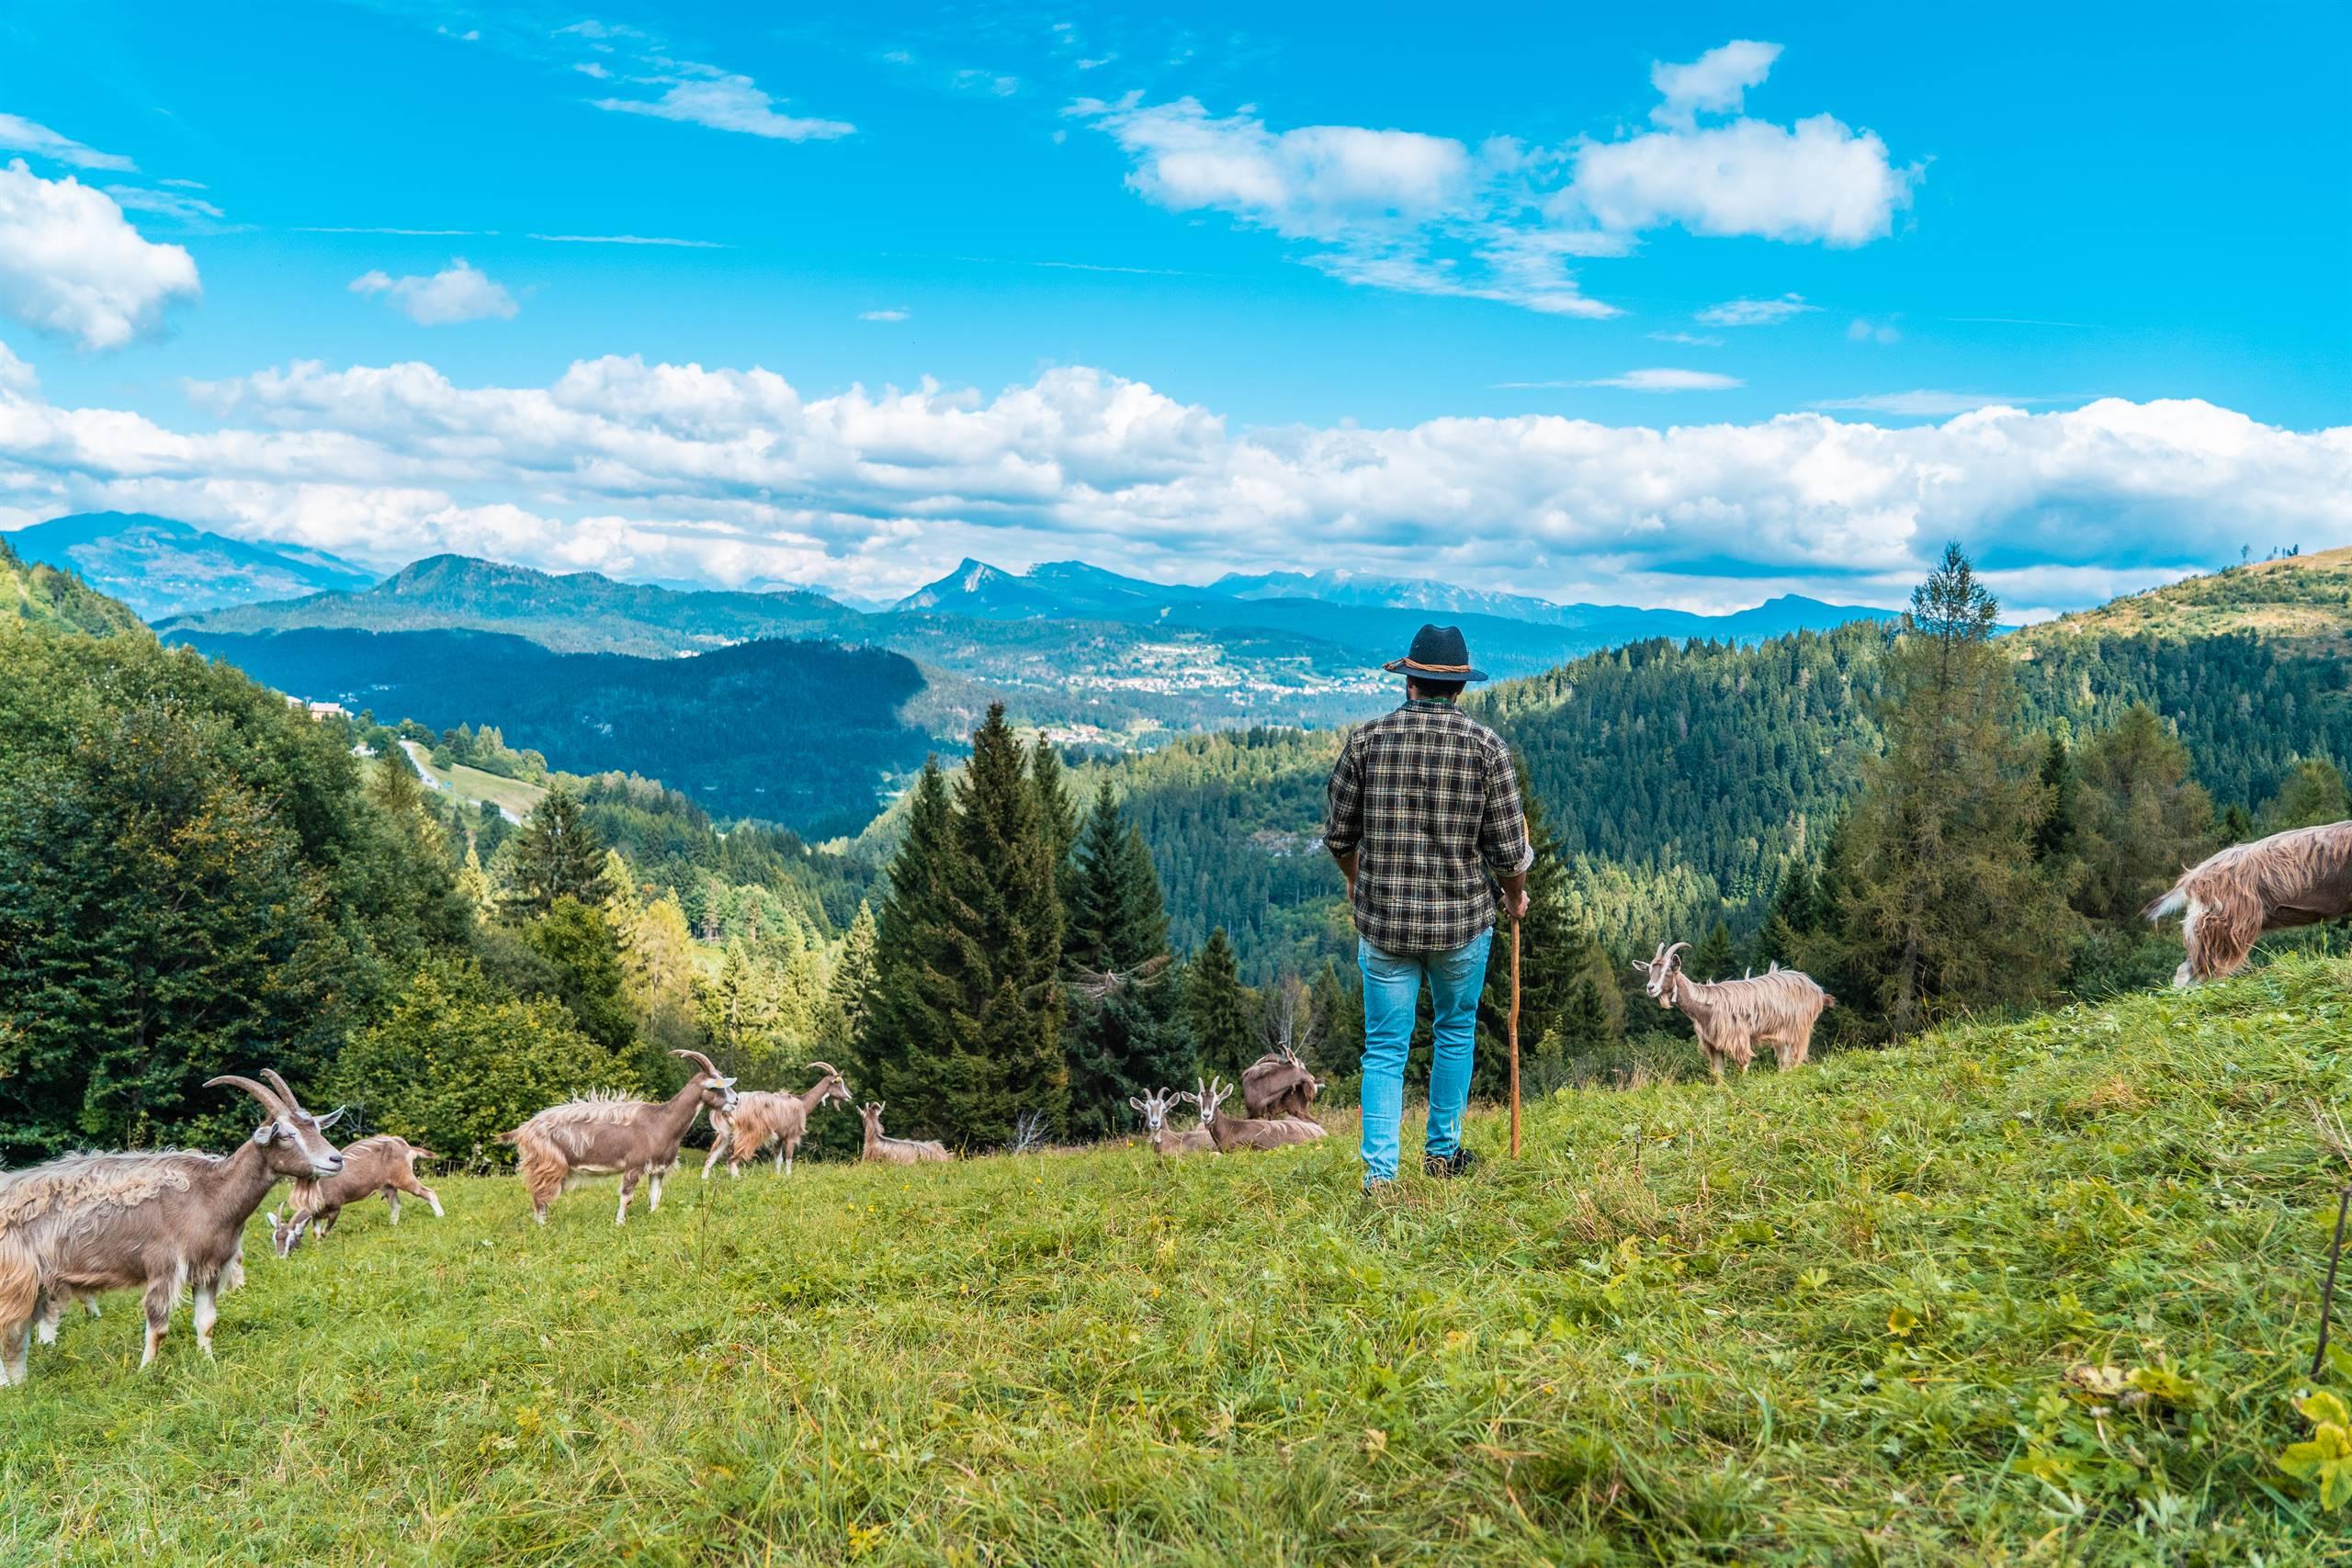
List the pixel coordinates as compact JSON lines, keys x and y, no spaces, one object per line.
{"x":71,"y":264}
{"x":1713,"y":84}
{"x":459,"y":292}
{"x":728,"y":102}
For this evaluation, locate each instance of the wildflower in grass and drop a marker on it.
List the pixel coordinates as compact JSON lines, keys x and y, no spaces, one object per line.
{"x":2324,"y":1459}
{"x":1902,"y":1322}
{"x":863,"y":1538}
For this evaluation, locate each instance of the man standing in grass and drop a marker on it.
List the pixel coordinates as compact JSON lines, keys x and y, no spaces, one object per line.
{"x":1424,"y":818}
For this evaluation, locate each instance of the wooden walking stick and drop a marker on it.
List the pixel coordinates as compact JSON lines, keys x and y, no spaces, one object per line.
{"x":1514,"y":1037}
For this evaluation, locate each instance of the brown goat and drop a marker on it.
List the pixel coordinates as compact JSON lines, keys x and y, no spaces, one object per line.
{"x":1778,"y":1007}
{"x":1278,"y":1084}
{"x":1165,"y":1140}
{"x":169,"y":1222}
{"x":633,"y":1139}
{"x":2300,"y":878}
{"x":764,"y":1116}
{"x":1230,"y":1132}
{"x":896,"y":1151}
{"x":382,"y":1164}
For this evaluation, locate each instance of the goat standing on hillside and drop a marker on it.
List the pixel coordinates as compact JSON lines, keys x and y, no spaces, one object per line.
{"x":2301,"y":877}
{"x":1248,"y":1132}
{"x":382,"y":1164}
{"x":887,"y":1150}
{"x":764,"y":1117}
{"x":1779,"y":1008}
{"x":1166,"y":1141}
{"x":170,"y":1222}
{"x":631,"y":1138}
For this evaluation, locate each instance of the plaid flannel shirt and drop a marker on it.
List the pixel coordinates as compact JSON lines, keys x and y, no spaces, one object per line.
{"x":1428,"y":797}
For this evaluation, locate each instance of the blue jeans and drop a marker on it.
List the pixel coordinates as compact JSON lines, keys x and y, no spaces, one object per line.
{"x":1392,"y":989}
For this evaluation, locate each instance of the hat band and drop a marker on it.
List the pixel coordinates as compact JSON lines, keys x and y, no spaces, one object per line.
{"x":1434,"y":669}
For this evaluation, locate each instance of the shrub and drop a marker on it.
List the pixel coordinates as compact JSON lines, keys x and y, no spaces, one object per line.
{"x":453,"y":1065}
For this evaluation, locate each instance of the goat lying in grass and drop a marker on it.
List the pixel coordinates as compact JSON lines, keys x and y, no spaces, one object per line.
{"x":1230,"y":1132}
{"x":1779,"y":1008}
{"x":1278,"y":1084}
{"x":634,"y":1139}
{"x":170,"y":1222}
{"x":2301,"y":877}
{"x":764,"y":1117}
{"x":382,"y":1164}
{"x":1165,"y":1140}
{"x":895,"y":1151}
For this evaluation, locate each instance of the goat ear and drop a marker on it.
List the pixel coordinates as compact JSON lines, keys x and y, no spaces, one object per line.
{"x":332,"y":1117}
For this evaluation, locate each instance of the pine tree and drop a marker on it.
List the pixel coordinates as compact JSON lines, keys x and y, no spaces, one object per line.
{"x":1715,"y":957}
{"x":1127,"y":1033}
{"x":1942,"y":906}
{"x":1057,"y":813}
{"x":1338,"y":1021}
{"x":393,"y":785}
{"x":557,"y":855}
{"x":1555,"y":951}
{"x":2142,"y":818}
{"x":1117,"y":919}
{"x":2054,"y":839}
{"x":849,"y":992}
{"x":1795,"y":916}
{"x":2313,"y":793}
{"x":577,"y":943}
{"x":919,"y":1020}
{"x":1219,"y":1008}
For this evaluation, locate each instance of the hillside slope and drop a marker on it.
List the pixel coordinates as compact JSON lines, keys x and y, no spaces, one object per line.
{"x":2296,"y":599}
{"x":43,"y":596}
{"x":1850,"y":1313}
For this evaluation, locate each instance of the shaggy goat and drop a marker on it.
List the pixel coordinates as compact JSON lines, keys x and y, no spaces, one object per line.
{"x":2301,"y":877}
{"x":170,"y":1222}
{"x":1278,"y":1084}
{"x":599,"y":1136}
{"x":381,"y":1163}
{"x":1779,"y":1007}
{"x":895,"y":1151}
{"x":1248,"y":1133}
{"x":1166,"y":1140}
{"x":764,"y":1117}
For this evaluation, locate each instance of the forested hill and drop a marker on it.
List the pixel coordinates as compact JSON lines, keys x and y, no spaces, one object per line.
{"x":46,"y":597}
{"x":2291,"y":598}
{"x":800,"y":733}
{"x":1681,"y":776}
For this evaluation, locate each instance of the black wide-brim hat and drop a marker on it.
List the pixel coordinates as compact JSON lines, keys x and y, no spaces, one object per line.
{"x":1439,"y":653}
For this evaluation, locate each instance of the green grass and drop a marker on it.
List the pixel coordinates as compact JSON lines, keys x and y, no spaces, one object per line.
{"x":1821,"y":1318}
{"x":472,"y":785}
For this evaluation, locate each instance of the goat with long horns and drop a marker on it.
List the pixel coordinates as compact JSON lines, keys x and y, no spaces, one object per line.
{"x":605,"y":1135}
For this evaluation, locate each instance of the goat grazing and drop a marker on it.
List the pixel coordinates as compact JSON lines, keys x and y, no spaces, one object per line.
{"x":381,"y":1163}
{"x":1248,"y":1132}
{"x":2301,"y":877}
{"x":764,"y":1117}
{"x":169,"y":1222}
{"x":895,"y":1151}
{"x":1278,"y":1084}
{"x":1165,"y":1140}
{"x":1779,"y":1008}
{"x":607,"y":1137}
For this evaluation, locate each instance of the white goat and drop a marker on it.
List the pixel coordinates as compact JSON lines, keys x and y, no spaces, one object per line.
{"x":896,"y":1151}
{"x":1248,"y":1132}
{"x":764,"y":1116}
{"x":599,"y":1136}
{"x":170,"y":1222}
{"x":1165,"y":1140}
{"x":1779,"y":1008}
{"x":2301,"y":877}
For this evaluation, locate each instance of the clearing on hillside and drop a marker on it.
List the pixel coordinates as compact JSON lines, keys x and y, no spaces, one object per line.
{"x":2036,"y":1292}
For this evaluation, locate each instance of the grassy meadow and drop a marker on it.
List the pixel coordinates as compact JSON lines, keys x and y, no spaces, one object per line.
{"x":2040,"y":1292}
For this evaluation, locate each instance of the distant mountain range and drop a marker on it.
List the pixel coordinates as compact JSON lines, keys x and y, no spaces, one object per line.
{"x":162,"y":567}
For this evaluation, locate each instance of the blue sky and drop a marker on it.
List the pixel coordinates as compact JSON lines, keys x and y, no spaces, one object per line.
{"x":1161,"y":275}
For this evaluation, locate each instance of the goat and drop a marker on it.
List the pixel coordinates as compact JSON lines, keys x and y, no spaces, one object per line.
{"x":601,"y":1135}
{"x":1779,"y":1007}
{"x":170,"y":1221}
{"x":1248,"y":1133}
{"x":1278,"y":1084}
{"x":1165,"y":1140}
{"x":381,"y":1163}
{"x":2300,"y":878}
{"x":764,"y":1117}
{"x":895,"y":1151}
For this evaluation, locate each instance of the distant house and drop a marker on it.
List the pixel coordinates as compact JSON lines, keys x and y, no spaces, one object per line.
{"x":319,"y":710}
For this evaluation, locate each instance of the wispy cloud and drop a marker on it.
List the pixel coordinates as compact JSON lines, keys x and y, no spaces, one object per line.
{"x":890,"y":315}
{"x":459,"y":292}
{"x":414,"y":233}
{"x":165,"y":203}
{"x":631,"y":240}
{"x":1688,"y":340}
{"x":1755,"y":312}
{"x":1860,"y":330}
{"x":1927,"y":404}
{"x":1636,"y":381}
{"x":18,"y":134}
{"x":723,"y":102}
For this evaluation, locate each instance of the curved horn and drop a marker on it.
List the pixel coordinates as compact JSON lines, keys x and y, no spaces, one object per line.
{"x":701,"y":1060}
{"x":1677,"y":948}
{"x":825,"y":1067}
{"x":268,"y":1100}
{"x":1659,"y":951}
{"x":293,"y":1103}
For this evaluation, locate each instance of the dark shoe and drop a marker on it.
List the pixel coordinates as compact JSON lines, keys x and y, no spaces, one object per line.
{"x":1445,"y":1167}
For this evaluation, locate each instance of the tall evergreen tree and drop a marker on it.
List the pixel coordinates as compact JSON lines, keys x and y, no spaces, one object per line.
{"x":1338,"y":1021}
{"x":849,"y":992}
{"x":919,"y":1020}
{"x":1057,"y":814}
{"x":2142,"y":817}
{"x":1117,"y":919}
{"x":2313,"y":793}
{"x":1126,"y":1032}
{"x":1717,"y":957}
{"x":577,"y":943}
{"x":2054,"y":839}
{"x":1942,"y":905}
{"x":1219,"y":1006}
{"x":557,"y":855}
{"x":1795,"y":916}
